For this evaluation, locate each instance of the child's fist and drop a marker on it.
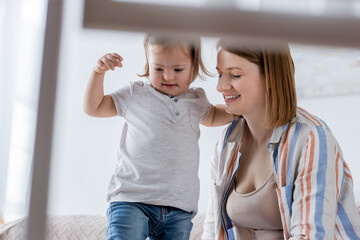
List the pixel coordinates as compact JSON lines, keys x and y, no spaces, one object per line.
{"x":107,"y":62}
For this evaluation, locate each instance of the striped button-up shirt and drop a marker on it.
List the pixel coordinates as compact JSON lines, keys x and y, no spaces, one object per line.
{"x":315,"y":187}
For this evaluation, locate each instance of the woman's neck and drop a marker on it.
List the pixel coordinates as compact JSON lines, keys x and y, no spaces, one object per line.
{"x":257,"y":131}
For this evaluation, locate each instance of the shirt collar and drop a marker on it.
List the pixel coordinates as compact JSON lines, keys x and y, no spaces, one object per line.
{"x":163,"y":95}
{"x":277,"y":133}
{"x":237,"y":129}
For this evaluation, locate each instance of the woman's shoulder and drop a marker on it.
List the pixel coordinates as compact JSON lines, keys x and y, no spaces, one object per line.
{"x":306,"y":124}
{"x":309,"y":120}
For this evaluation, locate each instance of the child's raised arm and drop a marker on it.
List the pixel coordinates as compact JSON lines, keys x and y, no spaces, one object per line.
{"x":97,"y":104}
{"x":218,"y":116}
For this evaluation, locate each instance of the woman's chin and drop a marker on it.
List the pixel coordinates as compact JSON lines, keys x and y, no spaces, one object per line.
{"x":229,"y":110}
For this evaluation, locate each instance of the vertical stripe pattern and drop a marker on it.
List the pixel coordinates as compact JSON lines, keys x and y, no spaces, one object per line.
{"x":315,"y":191}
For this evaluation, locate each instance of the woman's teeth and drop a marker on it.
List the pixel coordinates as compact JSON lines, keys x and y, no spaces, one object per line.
{"x":231,"y":97}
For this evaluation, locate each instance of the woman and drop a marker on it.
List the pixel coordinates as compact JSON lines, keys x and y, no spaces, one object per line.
{"x":278,"y":172}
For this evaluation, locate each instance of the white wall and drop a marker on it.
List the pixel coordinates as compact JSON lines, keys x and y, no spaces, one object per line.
{"x":85,"y":148}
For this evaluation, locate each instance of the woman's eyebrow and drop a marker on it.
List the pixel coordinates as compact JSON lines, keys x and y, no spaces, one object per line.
{"x":236,"y":68}
{"x":231,"y":68}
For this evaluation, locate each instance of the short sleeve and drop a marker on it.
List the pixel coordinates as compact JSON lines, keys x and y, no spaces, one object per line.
{"x":206,"y":105}
{"x":122,"y":98}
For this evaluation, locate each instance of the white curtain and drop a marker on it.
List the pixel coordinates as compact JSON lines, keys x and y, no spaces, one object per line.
{"x":21,"y":41}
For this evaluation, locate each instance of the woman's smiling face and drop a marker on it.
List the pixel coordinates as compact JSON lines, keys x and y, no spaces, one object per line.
{"x":241,"y":84}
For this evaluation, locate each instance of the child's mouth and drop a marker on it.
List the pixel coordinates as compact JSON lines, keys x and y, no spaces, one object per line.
{"x":169,"y":85}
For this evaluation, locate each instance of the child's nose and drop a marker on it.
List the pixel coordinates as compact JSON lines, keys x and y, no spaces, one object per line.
{"x":168,"y":75}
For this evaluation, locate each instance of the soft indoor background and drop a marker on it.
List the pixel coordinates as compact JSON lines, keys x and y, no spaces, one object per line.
{"x":84,"y":148}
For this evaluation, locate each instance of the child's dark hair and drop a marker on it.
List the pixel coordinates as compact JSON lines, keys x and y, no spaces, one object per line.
{"x":193,"y":44}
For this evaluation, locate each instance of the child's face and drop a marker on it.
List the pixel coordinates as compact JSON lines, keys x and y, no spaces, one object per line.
{"x":170,"y":69}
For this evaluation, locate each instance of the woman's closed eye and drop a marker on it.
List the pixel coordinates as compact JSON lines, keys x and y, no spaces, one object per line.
{"x":178,"y":69}
{"x":235,"y":76}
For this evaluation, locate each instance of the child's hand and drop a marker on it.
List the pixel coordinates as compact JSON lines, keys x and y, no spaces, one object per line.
{"x":107,"y":62}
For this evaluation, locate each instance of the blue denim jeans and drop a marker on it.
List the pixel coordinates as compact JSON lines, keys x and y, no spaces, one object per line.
{"x":137,"y":221}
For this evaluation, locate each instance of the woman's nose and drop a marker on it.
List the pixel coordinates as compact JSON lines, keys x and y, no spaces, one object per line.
{"x":223,"y":84}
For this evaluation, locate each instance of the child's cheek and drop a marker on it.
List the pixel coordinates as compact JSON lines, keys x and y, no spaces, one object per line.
{"x":155,"y":76}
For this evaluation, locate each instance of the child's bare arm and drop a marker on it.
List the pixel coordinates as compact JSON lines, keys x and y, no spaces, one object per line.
{"x":218,"y":117}
{"x":97,"y":104}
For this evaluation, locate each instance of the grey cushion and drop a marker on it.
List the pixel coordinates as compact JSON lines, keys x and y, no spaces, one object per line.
{"x":87,"y":227}
{"x":76,"y":227}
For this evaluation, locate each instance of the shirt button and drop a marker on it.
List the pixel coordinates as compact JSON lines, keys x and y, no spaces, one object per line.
{"x":175,"y":100}
{"x":177,"y":114}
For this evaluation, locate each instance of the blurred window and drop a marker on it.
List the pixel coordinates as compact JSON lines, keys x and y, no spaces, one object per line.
{"x":22,"y":31}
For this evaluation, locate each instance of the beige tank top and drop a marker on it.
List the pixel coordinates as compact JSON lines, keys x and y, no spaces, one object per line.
{"x":257,"y":210}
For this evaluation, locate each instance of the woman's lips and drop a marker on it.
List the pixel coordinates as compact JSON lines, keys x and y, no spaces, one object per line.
{"x":231,"y":98}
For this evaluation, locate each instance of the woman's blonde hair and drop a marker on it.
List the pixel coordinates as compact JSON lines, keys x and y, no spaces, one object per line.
{"x":277,"y":66}
{"x":189,"y":45}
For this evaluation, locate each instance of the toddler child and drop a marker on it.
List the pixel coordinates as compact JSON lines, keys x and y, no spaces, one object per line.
{"x":154,"y":189}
